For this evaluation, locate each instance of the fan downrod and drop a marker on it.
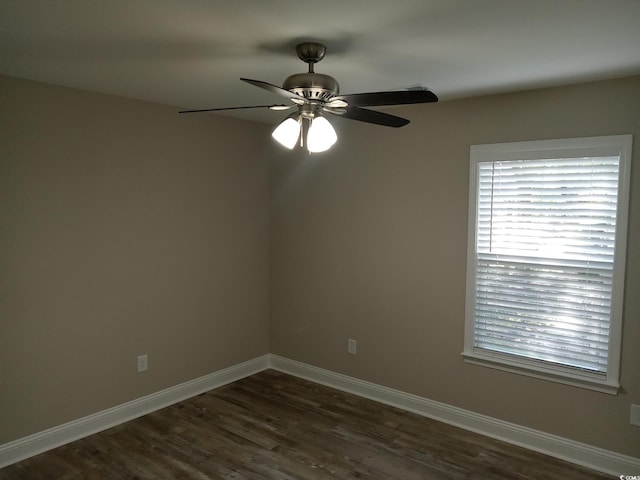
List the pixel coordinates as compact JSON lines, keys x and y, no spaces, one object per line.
{"x":311,"y":85}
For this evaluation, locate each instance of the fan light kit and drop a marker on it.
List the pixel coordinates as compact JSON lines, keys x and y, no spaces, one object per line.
{"x":315,"y":94}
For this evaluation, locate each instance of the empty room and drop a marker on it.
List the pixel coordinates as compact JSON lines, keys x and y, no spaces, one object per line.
{"x":319,"y":240}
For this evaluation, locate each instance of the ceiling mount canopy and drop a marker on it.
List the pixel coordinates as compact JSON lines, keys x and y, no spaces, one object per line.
{"x":315,"y":94}
{"x":311,"y":52}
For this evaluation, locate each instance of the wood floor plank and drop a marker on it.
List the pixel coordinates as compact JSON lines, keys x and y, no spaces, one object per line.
{"x":275,"y":426}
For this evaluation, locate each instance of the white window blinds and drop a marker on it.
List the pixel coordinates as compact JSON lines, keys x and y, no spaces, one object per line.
{"x":545,"y":245}
{"x":543,"y":260}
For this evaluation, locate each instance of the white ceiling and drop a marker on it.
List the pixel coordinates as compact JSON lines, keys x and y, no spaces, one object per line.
{"x":191,"y":53}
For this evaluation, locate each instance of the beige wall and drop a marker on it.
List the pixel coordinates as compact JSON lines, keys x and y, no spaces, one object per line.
{"x":369,"y":240}
{"x":126,"y":229}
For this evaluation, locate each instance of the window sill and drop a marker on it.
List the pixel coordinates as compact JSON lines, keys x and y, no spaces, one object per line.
{"x":530,"y":369}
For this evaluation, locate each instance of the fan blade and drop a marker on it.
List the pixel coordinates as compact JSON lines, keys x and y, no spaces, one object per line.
{"x":369,"y":116}
{"x":273,"y":107}
{"x":399,"y":97}
{"x":277,"y":90}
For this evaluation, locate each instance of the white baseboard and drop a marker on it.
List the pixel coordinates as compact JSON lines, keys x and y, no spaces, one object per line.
{"x":575,"y":452}
{"x":26,"y":447}
{"x":565,"y":449}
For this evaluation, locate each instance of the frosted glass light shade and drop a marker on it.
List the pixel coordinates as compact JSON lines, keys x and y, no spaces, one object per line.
{"x":321,"y":135}
{"x":287,"y":133}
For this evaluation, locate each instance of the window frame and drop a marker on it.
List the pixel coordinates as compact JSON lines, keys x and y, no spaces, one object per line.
{"x":533,"y":150}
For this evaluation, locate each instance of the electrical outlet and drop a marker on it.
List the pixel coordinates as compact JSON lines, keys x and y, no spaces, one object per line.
{"x":352,"y":346}
{"x":635,"y":415}
{"x":143,"y":363}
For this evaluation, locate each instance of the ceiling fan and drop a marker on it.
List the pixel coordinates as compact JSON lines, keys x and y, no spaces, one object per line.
{"x":314,"y":94}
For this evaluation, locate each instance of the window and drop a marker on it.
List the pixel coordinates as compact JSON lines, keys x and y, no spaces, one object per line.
{"x":546,"y":258}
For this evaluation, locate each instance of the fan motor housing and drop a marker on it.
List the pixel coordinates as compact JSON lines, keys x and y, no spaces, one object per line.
{"x":313,"y":86}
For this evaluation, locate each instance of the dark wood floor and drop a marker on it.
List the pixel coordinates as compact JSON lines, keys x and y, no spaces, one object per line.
{"x":274,"y":426}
